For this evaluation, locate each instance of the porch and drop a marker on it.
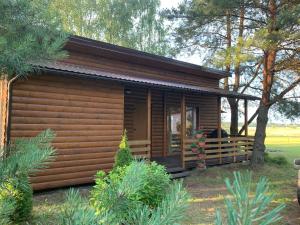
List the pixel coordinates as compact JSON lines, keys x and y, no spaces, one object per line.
{"x":160,"y":126}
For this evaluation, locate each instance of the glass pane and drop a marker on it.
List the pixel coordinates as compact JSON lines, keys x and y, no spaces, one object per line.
{"x":174,"y":126}
{"x":191,"y":120}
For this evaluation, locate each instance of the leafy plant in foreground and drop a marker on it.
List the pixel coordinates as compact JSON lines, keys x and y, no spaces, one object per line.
{"x":138,"y":194}
{"x":247,"y":210}
{"x":24,"y":156}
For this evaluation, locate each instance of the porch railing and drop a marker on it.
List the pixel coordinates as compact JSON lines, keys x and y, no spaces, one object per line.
{"x":221,"y":149}
{"x":140,"y":148}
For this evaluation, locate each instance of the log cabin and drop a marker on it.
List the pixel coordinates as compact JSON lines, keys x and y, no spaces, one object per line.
{"x":99,"y":90}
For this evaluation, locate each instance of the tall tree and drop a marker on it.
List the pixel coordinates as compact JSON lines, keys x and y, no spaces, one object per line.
{"x":133,"y":23}
{"x":218,"y":28}
{"x":279,"y":41}
{"x":269,"y":33}
{"x":28,"y":33}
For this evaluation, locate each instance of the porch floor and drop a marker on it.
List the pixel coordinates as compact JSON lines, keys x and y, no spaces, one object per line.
{"x":171,"y":162}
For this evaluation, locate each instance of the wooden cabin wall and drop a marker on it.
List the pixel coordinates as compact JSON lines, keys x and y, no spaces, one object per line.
{"x":132,"y":69}
{"x":87,"y":117}
{"x":157,"y":129}
{"x":208,"y":110}
{"x":135,"y":112}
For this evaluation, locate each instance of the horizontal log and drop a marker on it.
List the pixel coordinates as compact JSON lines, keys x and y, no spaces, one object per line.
{"x":65,"y":127}
{"x":85,"y":144}
{"x":83,"y":156}
{"x":72,"y":151}
{"x":64,"y":176}
{"x":72,"y":109}
{"x":62,"y":183}
{"x":69,"y":115}
{"x":93,"y":89}
{"x":62,"y":164}
{"x":63,"y":170}
{"x":52,"y":102}
{"x":42,"y":120}
{"x":68,"y":133}
{"x":67,"y":97}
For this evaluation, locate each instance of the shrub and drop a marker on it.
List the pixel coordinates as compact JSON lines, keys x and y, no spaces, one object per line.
{"x":18,"y":192}
{"x":24,"y":156}
{"x":123,"y":156}
{"x":246,"y":210}
{"x":130,"y":194}
{"x":156,"y":184}
{"x":276,"y":160}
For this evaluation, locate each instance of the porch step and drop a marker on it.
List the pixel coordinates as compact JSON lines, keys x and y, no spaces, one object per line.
{"x":174,"y":169}
{"x":180,"y":174}
{"x":177,"y":172}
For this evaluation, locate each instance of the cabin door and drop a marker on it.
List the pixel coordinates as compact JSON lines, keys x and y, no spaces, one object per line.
{"x":173,"y":130}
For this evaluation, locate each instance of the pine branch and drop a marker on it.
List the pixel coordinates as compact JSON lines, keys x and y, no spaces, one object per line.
{"x":284,"y":92}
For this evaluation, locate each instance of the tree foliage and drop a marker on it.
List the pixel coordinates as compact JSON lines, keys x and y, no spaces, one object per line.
{"x":134,"y":24}
{"x":29,"y":33}
{"x":257,"y":41}
{"x":244,"y":209}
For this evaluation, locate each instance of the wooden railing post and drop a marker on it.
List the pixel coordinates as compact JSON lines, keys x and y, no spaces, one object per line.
{"x":149,"y":120}
{"x":165,"y":137}
{"x":246,"y":148}
{"x":219,"y":129}
{"x":246,"y":116}
{"x":183,"y":128}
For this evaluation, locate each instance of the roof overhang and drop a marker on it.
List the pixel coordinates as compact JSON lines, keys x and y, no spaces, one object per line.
{"x":96,"y":74}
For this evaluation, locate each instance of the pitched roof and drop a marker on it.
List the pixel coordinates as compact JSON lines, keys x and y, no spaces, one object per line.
{"x":90,"y":46}
{"x":93,"y":73}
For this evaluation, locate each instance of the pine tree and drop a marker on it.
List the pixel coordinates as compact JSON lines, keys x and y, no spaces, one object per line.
{"x":124,"y":156}
{"x":246,"y":210}
{"x":29,"y":33}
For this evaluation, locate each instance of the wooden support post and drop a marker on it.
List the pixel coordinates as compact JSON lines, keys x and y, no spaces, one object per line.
{"x":183,"y":129}
{"x":246,"y":117}
{"x":219,"y":128}
{"x":149,"y":120}
{"x":165,"y":141}
{"x":3,"y":111}
{"x":246,"y":126}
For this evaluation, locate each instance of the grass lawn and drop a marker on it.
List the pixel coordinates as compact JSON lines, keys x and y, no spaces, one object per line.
{"x":207,"y":188}
{"x":208,"y":191}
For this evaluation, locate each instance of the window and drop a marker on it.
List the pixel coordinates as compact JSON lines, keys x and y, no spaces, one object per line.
{"x":192,"y":120}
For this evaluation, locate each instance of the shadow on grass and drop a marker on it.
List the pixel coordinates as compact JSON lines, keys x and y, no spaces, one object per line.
{"x":208,"y":191}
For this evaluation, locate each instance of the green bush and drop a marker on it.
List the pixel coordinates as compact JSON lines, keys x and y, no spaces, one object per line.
{"x":276,"y":160}
{"x":24,"y":156}
{"x":244,"y":209}
{"x":123,"y":156}
{"x":18,"y":192}
{"x":157,"y":182}
{"x":125,"y":193}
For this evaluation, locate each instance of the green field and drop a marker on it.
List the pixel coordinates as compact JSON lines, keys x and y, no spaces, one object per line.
{"x":283,"y":141}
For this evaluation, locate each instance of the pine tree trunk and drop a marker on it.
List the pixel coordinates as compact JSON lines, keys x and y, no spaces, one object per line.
{"x":268,"y":79}
{"x":260,"y":135}
{"x":234,"y":119}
